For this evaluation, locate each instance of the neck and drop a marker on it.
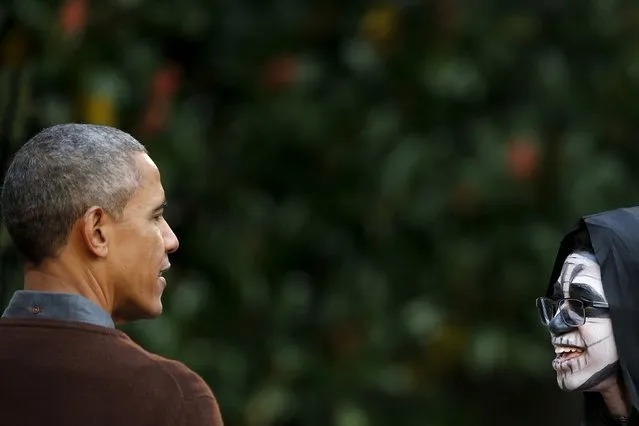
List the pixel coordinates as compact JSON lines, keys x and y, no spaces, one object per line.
{"x":59,"y":277}
{"x":615,"y":399}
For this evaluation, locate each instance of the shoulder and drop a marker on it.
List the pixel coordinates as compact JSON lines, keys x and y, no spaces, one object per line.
{"x":190,"y":384}
{"x":198,"y":405}
{"x":187,"y":382}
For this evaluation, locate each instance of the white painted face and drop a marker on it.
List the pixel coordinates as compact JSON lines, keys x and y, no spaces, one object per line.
{"x":586,"y":355}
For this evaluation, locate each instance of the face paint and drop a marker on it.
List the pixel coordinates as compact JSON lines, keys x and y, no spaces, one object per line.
{"x":587,"y":354}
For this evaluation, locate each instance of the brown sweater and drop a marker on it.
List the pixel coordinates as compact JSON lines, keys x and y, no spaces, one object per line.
{"x":55,"y":373}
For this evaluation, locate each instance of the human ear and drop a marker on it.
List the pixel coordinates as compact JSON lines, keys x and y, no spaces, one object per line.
{"x":93,"y":229}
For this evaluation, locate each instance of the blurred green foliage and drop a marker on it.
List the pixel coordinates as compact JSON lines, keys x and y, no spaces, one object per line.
{"x":369,"y":195}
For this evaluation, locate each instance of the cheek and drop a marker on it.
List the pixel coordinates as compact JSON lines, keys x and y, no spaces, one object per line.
{"x":595,"y":329}
{"x":154,"y":251}
{"x":140,"y":248}
{"x":599,"y":338}
{"x":150,"y":240}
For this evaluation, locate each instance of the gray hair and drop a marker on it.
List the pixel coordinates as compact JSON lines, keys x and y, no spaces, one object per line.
{"x":57,"y":175}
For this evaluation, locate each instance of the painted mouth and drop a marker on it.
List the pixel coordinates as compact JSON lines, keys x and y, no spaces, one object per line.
{"x":565,"y":353}
{"x":566,"y":357}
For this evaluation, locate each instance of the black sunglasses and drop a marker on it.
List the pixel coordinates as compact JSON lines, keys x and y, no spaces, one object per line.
{"x":573,"y":311}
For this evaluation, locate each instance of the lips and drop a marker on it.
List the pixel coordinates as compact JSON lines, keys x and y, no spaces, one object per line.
{"x":163,"y":270}
{"x":567,"y":349}
{"x":565,"y":353}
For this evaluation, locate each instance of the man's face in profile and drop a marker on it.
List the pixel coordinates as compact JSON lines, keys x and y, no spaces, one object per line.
{"x":138,"y":253}
{"x":580,"y":328}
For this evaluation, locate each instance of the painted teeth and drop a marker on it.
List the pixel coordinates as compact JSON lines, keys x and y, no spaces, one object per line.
{"x":561,"y":350}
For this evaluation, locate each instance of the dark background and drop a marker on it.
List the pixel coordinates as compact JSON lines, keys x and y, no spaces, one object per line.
{"x":369,"y":195}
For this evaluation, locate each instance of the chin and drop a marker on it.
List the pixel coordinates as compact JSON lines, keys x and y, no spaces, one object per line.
{"x":158,"y":311}
{"x":588,"y":380}
{"x":579,"y":384}
{"x":568,"y":384}
{"x":138,"y":311}
{"x":572,"y":370}
{"x":153,"y":311}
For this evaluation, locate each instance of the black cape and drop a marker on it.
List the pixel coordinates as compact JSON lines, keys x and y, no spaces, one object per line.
{"x":615,"y":238}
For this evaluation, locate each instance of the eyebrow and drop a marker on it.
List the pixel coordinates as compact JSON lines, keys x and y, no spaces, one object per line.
{"x":578,"y":267}
{"x":160,"y":207}
{"x":557,"y":292}
{"x":584,"y":292}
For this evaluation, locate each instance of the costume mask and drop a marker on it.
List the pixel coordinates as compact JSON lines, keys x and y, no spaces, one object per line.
{"x":580,"y":327}
{"x":604,"y":286}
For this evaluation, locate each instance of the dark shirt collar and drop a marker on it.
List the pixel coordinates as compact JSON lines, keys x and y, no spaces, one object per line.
{"x":56,"y":306}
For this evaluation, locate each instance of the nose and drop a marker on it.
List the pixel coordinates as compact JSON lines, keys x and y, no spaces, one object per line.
{"x":171,"y":242}
{"x":558,"y":325}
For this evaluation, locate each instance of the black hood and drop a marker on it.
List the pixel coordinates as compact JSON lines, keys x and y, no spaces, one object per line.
{"x":615,"y":239}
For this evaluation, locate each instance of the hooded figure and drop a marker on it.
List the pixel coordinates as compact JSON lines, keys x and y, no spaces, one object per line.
{"x":591,"y":309}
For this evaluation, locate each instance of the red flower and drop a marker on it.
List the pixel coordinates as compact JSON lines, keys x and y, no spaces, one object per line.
{"x":523,"y":159}
{"x":165,"y":83}
{"x":280,"y":72}
{"x":73,"y":16}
